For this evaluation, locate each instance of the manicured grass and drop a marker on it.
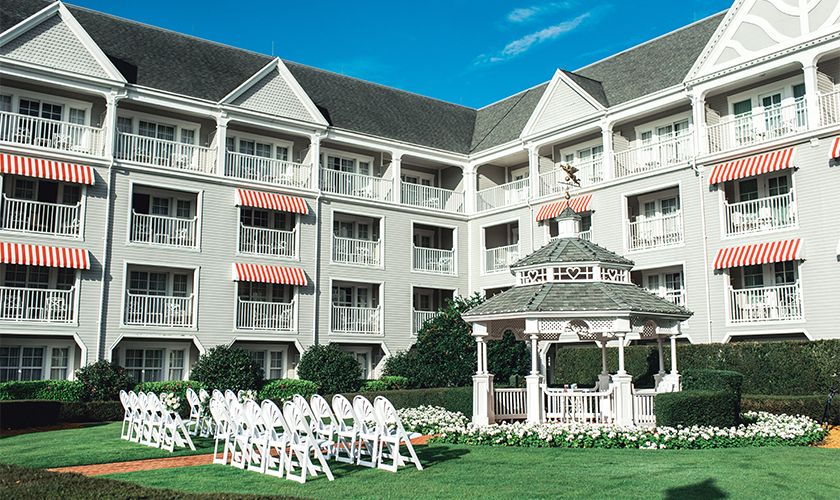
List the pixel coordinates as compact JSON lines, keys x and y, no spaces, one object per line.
{"x":458,"y":471}
{"x":96,"y":444}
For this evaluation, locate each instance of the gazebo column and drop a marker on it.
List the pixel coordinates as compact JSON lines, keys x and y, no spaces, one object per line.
{"x":672,"y":380}
{"x":658,"y":377}
{"x":623,"y":387}
{"x":533,"y":381}
{"x":483,"y":404}
{"x":604,"y":378}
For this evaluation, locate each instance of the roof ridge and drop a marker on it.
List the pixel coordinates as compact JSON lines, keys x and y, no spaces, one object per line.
{"x":499,"y":121}
{"x":514,"y":95}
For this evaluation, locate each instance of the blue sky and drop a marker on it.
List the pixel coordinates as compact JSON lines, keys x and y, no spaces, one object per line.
{"x":465,"y":52}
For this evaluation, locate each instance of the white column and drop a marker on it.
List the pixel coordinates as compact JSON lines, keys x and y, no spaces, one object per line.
{"x":221,"y":142}
{"x":315,"y":160}
{"x":671,"y":381}
{"x":483,"y":400}
{"x":110,"y":126}
{"x":623,"y":387}
{"x":698,"y":116}
{"x":396,"y":173}
{"x":607,"y":142}
{"x":534,"y":170}
{"x":674,"y":355}
{"x":657,"y":379}
{"x":604,"y":378}
{"x":469,"y":189}
{"x":812,"y":101}
{"x":621,"y":370}
{"x":533,"y":381}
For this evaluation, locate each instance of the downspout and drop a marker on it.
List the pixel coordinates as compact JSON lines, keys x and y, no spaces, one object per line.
{"x":705,"y":247}
{"x":317,"y":284}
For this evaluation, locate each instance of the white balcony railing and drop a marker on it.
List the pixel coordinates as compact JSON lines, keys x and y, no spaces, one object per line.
{"x":655,"y":232}
{"x":676,"y":297}
{"x":589,"y":172}
{"x":358,"y":185}
{"x":584,"y":235}
{"x":653,"y":156}
{"x":51,"y":134}
{"x":39,"y":217}
{"x":421,"y":317}
{"x":500,"y":259}
{"x":830,"y":108}
{"x":510,"y":403}
{"x":764,"y":214}
{"x":156,"y":310}
{"x":264,"y":241}
{"x":166,"y":231}
{"x":37,"y":305}
{"x":268,"y":170}
{"x":353,"y":251}
{"x":643,"y":410}
{"x":766,"y":125}
{"x":772,"y":303}
{"x":434,"y":260}
{"x":167,"y":154}
{"x":501,"y":196}
{"x":254,"y":315}
{"x":431,"y":197}
{"x":579,"y":406}
{"x":364,"y":320}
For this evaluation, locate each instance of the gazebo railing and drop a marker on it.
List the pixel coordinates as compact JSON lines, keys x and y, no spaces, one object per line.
{"x":643,"y":407}
{"x":510,"y":403}
{"x":579,"y":407}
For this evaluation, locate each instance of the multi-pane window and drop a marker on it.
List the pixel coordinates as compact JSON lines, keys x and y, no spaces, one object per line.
{"x":124,"y":125}
{"x":65,"y":278}
{"x":5,"y":102}
{"x":784,"y":273}
{"x":275,"y":367}
{"x":188,"y":136}
{"x":29,"y":107}
{"x":259,"y":357}
{"x":160,"y":206}
{"x":183,"y":209}
{"x":76,"y":116}
{"x":21,"y":363}
{"x":146,"y":283}
{"x":674,"y":287}
{"x":24,"y":189}
{"x":176,"y":364}
{"x":670,"y":206}
{"x":180,"y":285}
{"x":753,"y":276}
{"x":59,"y":363}
{"x":72,"y":194}
{"x":22,"y":276}
{"x":262,"y":292}
{"x":748,"y":190}
{"x":777,"y":185}
{"x":155,"y":130}
{"x":145,"y":365}
{"x":252,"y":147}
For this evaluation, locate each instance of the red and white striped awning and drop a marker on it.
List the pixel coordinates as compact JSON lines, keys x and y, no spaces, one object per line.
{"x":755,"y":165}
{"x":762,"y":253}
{"x":271,"y":201}
{"x":268,"y":274}
{"x":552,"y":210}
{"x":36,"y":255}
{"x":46,"y":169}
{"x":835,"y":148}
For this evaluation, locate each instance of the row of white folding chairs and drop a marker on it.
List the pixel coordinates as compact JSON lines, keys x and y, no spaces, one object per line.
{"x":147,"y":421}
{"x":198,"y":424}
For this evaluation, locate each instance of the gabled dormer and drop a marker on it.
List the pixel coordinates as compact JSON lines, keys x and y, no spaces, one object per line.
{"x":568,"y":98}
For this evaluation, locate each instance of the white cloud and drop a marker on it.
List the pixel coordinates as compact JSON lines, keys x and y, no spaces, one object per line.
{"x":527,"y":13}
{"x":517,"y":47}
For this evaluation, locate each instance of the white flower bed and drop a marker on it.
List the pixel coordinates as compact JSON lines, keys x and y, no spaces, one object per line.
{"x":762,"y":429}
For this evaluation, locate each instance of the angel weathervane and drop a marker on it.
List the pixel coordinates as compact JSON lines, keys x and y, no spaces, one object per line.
{"x":570,"y":176}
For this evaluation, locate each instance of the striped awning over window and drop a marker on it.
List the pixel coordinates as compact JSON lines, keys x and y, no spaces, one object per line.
{"x":46,"y":169}
{"x":271,"y":201}
{"x":268,"y":274}
{"x":552,"y":210}
{"x":36,"y":255}
{"x":835,"y":148}
{"x":755,"y":165}
{"x":762,"y":253}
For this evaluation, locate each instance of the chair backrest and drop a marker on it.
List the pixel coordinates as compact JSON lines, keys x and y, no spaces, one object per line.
{"x":386,"y":411}
{"x":125,"y":400}
{"x":343,"y":411}
{"x":303,"y":404}
{"x":230,"y":396}
{"x":219,"y":414}
{"x":192,"y":398}
{"x":253,"y":418}
{"x":272,"y":415}
{"x":298,"y":427}
{"x":321,"y":409}
{"x":365,"y":412}
{"x":203,"y":394}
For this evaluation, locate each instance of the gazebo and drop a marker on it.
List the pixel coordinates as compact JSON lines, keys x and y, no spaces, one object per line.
{"x":572,"y":289}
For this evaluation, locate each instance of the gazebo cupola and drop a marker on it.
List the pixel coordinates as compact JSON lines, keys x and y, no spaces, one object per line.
{"x":573,"y":290}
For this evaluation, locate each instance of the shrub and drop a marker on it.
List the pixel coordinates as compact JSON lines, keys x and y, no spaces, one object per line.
{"x":809,"y":406}
{"x":224,"y":367}
{"x":332,"y":369}
{"x":407,"y":365}
{"x":386,"y":383}
{"x":690,"y":408}
{"x":712,"y":380}
{"x":54,"y":390}
{"x":23,"y":414}
{"x":286,"y":388}
{"x":94,"y":411}
{"x":452,"y":398}
{"x":507,"y":357}
{"x":103,"y":381}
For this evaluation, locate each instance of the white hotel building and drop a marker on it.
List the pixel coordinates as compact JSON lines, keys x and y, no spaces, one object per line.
{"x":161,"y":194}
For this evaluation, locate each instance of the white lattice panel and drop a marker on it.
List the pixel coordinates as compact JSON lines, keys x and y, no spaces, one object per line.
{"x":53,"y":44}
{"x":550,"y":326}
{"x":496,"y":329}
{"x":273,"y":95}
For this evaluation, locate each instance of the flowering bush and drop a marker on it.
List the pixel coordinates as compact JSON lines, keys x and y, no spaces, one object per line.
{"x":248,"y":395}
{"x":760,"y":429}
{"x":103,"y":381}
{"x":170,"y":401}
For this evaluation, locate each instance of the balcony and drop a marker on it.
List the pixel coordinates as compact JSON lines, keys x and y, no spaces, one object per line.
{"x":584,"y":235}
{"x":676,"y":297}
{"x":156,"y":310}
{"x":164,"y":231}
{"x":830,"y":108}
{"x":44,"y":218}
{"x":434,"y":260}
{"x":356,"y":185}
{"x":418,"y":195}
{"x":166,"y":154}
{"x":269,"y":242}
{"x":766,"y":304}
{"x":771,"y":123}
{"x":255,"y":315}
{"x":421,"y":317}
{"x":499,"y":259}
{"x":51,"y":134}
{"x":358,"y":252}
{"x":502,"y":196}
{"x":655,"y":232}
{"x":268,"y":170}
{"x":34,"y":305}
{"x":757,"y":216}
{"x":355,"y":320}
{"x":589,"y":172}
{"x":653,"y":156}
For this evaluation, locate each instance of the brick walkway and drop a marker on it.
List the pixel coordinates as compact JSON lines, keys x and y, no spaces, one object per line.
{"x":158,"y":463}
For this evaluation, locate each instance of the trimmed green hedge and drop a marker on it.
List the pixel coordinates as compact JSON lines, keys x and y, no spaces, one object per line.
{"x":386,"y":383}
{"x":712,"y":380}
{"x":53,"y":390}
{"x":810,"y":406}
{"x":93,"y":411}
{"x":451,"y":398}
{"x":284,"y":389}
{"x":36,"y":413}
{"x":689,"y":408}
{"x":767,"y":366}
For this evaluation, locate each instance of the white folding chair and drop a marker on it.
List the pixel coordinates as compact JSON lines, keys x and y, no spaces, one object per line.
{"x":151,"y":421}
{"x":346,"y":434}
{"x":303,"y":445}
{"x":274,"y":441}
{"x":240,"y":443}
{"x":194,"y":423}
{"x":222,"y":432}
{"x":368,"y":443}
{"x":324,"y":423}
{"x":138,"y":404}
{"x":393,"y":435}
{"x":255,"y":430}
{"x":127,"y":415}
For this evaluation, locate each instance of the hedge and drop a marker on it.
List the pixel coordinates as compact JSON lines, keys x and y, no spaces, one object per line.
{"x":284,"y":389}
{"x":36,"y":413}
{"x":53,"y":390}
{"x":712,"y":380}
{"x":789,"y":368}
{"x":452,"y":398}
{"x":810,"y":406}
{"x":690,"y":408}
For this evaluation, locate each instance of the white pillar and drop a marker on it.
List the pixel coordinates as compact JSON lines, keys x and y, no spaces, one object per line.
{"x":534,"y":381}
{"x":698,"y":116}
{"x":674,"y":355}
{"x":221,"y":142}
{"x":483,"y":400}
{"x":607,"y":142}
{"x":469,"y":189}
{"x":396,"y":174}
{"x":110,"y":126}
{"x":315,"y":160}
{"x":534,"y":170}
{"x":604,"y":378}
{"x":657,"y":379}
{"x":621,"y":370}
{"x":671,"y":381}
{"x":812,"y":103}
{"x":623,"y":387}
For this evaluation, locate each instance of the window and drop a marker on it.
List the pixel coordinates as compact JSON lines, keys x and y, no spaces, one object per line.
{"x":59,"y":363}
{"x":263,"y":292}
{"x":5,"y":103}
{"x":42,"y":277}
{"x":354,"y":296}
{"x":21,"y":363}
{"x":176,"y":364}
{"x":784,"y":273}
{"x":753,"y":276}
{"x":275,"y":367}
{"x":145,"y":283}
{"x":145,"y":365}
{"x":344,"y":164}
{"x":748,"y":190}
{"x":45,"y":191}
{"x":357,"y":230}
{"x":180,"y":285}
{"x":668,"y":285}
{"x":261,"y":148}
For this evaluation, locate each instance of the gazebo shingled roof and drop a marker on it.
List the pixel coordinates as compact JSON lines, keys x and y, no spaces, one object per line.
{"x":563,"y":250}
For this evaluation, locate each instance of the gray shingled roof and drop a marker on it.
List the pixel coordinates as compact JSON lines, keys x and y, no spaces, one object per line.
{"x":583,"y":297}
{"x":502,"y":122}
{"x":564,"y":250}
{"x":591,"y":87}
